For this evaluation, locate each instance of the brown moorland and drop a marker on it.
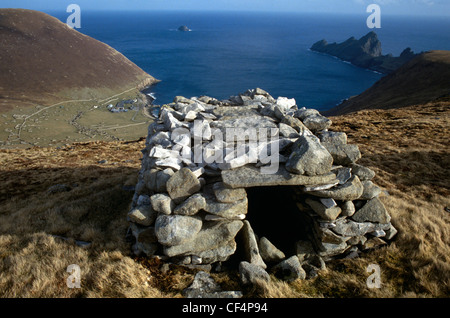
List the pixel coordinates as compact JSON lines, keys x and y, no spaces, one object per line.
{"x":43,"y":61}
{"x":423,"y":79}
{"x":408,"y":148}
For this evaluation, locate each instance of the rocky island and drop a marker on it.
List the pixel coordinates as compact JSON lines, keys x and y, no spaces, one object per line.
{"x":365,"y":52}
{"x":184,"y":28}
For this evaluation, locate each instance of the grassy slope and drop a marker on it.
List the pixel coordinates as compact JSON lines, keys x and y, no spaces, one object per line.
{"x":408,"y":148}
{"x":421,"y":80}
{"x":43,"y":62}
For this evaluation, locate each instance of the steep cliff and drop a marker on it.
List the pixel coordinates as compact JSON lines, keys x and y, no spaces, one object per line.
{"x":424,"y":79}
{"x":365,"y":52}
{"x":44,"y":61}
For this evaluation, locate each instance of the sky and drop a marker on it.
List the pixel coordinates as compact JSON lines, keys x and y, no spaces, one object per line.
{"x":394,"y":7}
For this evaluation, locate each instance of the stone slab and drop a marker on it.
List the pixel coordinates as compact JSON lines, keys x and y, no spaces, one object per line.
{"x":248,"y":176}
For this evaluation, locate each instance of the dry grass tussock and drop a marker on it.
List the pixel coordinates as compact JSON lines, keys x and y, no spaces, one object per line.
{"x":408,"y":149}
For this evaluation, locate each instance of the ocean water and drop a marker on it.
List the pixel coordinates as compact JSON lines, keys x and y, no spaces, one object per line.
{"x":227,"y":52}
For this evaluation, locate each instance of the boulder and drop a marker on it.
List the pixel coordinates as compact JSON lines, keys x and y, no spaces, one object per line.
{"x":225,"y":210}
{"x":162,"y":203}
{"x":204,"y":286}
{"x":343,"y":154}
{"x":324,"y":212}
{"x":317,"y":123}
{"x":252,"y":274}
{"x":333,"y":137}
{"x":161,"y":179}
{"x":303,"y":112}
{"x":228,"y":195}
{"x":294,"y":123}
{"x":346,"y":227}
{"x":218,"y":254}
{"x":176,"y":229}
{"x":362,"y":172}
{"x":210,"y":237}
{"x":370,"y":190}
{"x":309,"y":157}
{"x":143,"y":214}
{"x":269,"y":252}
{"x":182,"y":185}
{"x":348,"y":208}
{"x":373,"y":211}
{"x":343,"y":174}
{"x":304,"y":250}
{"x":251,"y":246}
{"x":191,"y":205}
{"x":289,"y":269}
{"x":287,"y":131}
{"x":328,"y":250}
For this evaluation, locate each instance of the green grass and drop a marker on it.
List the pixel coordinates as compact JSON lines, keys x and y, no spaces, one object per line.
{"x":71,"y":121}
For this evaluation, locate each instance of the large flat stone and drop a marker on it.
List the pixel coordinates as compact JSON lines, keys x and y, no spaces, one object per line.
{"x":249,"y":176}
{"x":349,"y":191}
{"x":226,"y":195}
{"x":225,"y":210}
{"x":208,"y":238}
{"x":346,"y":227}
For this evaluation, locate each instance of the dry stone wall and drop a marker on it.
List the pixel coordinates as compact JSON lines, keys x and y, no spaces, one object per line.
{"x":202,"y":154}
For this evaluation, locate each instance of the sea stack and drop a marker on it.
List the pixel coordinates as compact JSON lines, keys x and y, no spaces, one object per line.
{"x":184,"y":28}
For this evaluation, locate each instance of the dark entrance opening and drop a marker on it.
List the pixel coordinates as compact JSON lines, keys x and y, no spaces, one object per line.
{"x":273,"y":213}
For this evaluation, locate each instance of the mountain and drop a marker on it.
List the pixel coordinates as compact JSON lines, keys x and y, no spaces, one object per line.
{"x":43,"y":61}
{"x":365,"y":52}
{"x":424,"y":79}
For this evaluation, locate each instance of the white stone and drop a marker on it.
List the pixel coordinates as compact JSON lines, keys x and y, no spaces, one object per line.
{"x":286,"y":103}
{"x":195,"y":260}
{"x":198,"y":171}
{"x":174,"y":163}
{"x":159,"y":152}
{"x":190,"y":116}
{"x":171,"y":122}
{"x":321,"y":187}
{"x":235,"y":162}
{"x":196,"y":107}
{"x":201,"y":130}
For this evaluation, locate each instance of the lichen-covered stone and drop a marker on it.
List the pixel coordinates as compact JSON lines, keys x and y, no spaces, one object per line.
{"x":176,"y":229}
{"x":182,"y":185}
{"x":309,"y":157}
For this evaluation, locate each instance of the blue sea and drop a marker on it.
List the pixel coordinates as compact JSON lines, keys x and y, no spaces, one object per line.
{"x":228,"y":52}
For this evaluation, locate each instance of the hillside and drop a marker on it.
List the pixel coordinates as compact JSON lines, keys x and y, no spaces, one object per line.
{"x":365,"y":52}
{"x":43,"y":61}
{"x":39,"y":223}
{"x":424,"y":79}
